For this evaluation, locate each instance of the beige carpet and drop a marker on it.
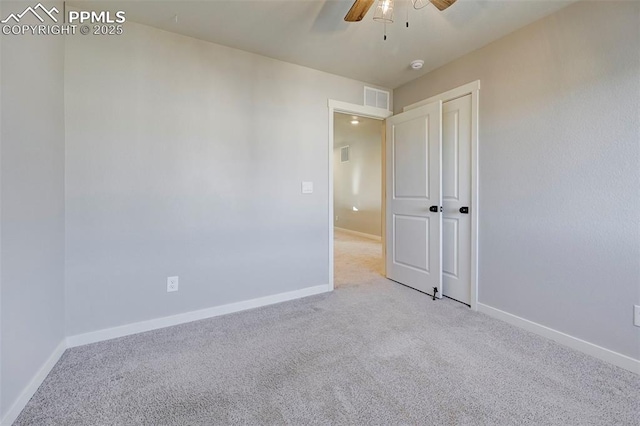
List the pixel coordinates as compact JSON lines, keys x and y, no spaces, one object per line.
{"x":357,"y":260}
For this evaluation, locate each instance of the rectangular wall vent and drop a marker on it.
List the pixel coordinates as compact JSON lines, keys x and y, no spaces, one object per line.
{"x":344,"y":154}
{"x":376,"y":98}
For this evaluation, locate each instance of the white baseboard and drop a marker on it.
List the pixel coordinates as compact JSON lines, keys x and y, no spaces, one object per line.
{"x":32,"y":387}
{"x":154,"y":324}
{"x":359,"y":234}
{"x":580,"y":345}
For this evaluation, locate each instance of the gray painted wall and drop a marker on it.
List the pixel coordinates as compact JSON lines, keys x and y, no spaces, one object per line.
{"x":559,"y":169}
{"x":32,"y":206}
{"x":186,"y":158}
{"x":358,"y":182}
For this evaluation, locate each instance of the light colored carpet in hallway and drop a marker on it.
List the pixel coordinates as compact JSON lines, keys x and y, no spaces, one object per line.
{"x":357,"y":260}
{"x":372,"y":352}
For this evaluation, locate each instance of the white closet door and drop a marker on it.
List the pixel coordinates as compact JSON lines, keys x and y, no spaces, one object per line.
{"x":456,"y":199}
{"x":414,"y":198}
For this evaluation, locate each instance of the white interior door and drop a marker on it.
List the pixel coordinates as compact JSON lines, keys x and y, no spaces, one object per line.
{"x":456,"y":196}
{"x":414,"y":189}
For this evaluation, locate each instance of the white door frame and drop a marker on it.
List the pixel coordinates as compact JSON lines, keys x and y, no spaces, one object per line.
{"x":472,"y":89}
{"x":361,"y":111}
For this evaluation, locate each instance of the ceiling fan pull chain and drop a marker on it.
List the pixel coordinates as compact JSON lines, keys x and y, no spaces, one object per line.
{"x":408,"y":4}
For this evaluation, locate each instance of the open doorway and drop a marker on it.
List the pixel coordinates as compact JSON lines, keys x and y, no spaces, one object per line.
{"x":357,"y":198}
{"x":375,"y":113}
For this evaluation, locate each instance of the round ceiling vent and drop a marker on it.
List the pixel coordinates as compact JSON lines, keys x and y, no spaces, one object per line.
{"x":417,"y":64}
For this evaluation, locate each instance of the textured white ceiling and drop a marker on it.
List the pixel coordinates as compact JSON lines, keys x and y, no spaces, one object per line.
{"x":313,"y":33}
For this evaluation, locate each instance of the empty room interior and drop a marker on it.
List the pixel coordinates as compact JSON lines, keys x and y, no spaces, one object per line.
{"x":302,"y":212}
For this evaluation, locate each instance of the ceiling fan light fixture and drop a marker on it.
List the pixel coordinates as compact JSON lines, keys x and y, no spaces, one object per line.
{"x":384,"y":11}
{"x":419,"y":4}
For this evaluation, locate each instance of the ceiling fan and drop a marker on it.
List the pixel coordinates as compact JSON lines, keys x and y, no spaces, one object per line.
{"x":361,"y":7}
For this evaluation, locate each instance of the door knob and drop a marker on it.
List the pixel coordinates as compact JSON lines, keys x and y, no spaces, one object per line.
{"x":434,"y":209}
{"x":464,"y":210}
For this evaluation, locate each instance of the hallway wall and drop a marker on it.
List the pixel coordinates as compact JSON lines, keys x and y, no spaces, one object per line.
{"x":358,"y":182}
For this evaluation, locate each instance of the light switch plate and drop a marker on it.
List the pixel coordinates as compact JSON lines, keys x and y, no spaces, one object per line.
{"x":307,"y":187}
{"x":636,"y":315}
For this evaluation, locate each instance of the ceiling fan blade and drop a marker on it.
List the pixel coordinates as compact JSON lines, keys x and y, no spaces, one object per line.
{"x":442,"y":4}
{"x":358,"y":10}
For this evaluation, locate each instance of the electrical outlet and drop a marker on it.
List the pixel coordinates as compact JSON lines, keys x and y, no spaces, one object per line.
{"x":636,"y":315}
{"x":172,"y":284}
